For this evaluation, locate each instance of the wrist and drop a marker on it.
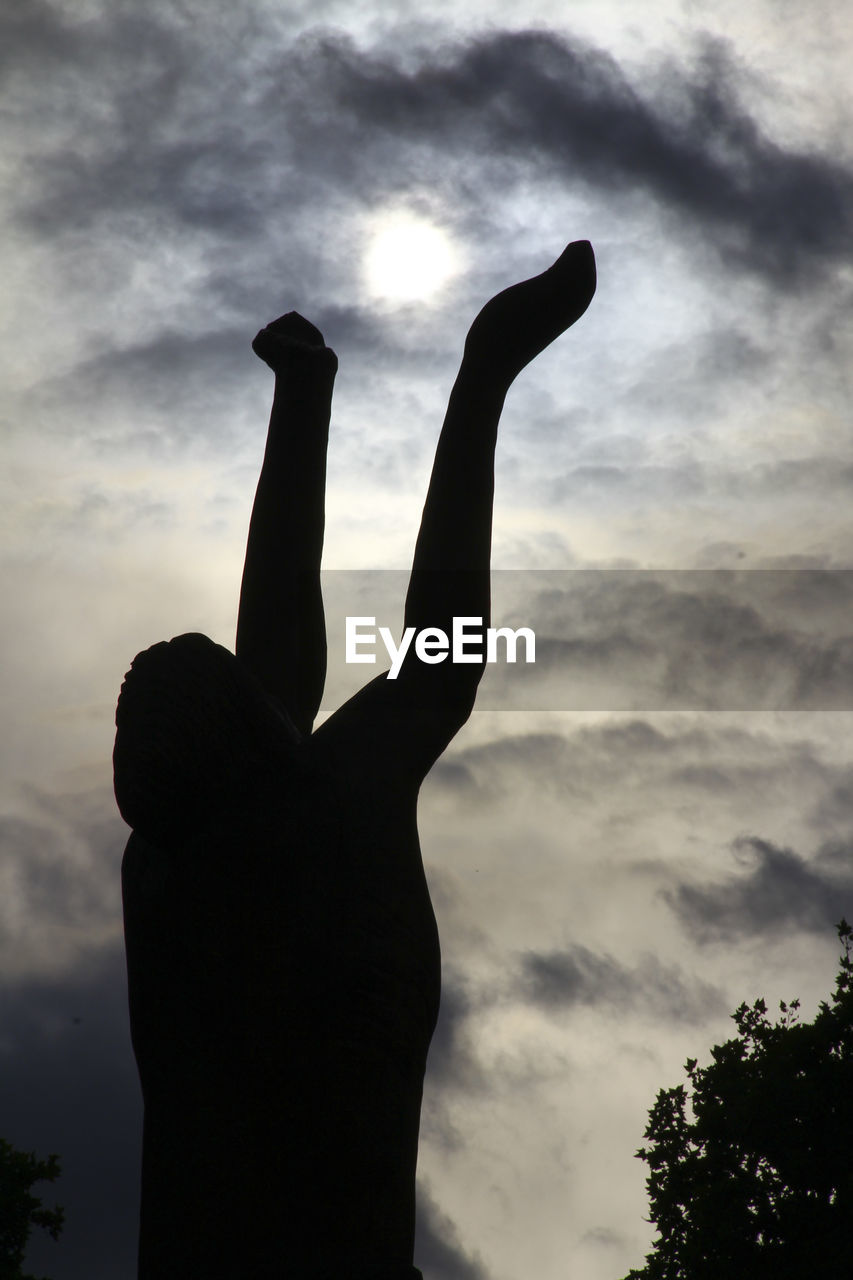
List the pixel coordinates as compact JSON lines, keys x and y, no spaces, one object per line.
{"x":484,"y":378}
{"x":306,"y":375}
{"x":306,"y":364}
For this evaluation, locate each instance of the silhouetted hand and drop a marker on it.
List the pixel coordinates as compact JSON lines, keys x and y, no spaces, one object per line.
{"x":523,"y":320}
{"x":292,"y":336}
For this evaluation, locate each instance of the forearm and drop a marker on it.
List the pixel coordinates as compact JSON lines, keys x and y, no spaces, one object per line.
{"x":509,"y":332}
{"x":288,"y":514}
{"x":453,"y":549}
{"x":280,"y":626}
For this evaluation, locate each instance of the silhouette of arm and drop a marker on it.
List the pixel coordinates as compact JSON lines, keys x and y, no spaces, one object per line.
{"x":412,"y":719}
{"x":450,"y":573}
{"x":281,"y":633}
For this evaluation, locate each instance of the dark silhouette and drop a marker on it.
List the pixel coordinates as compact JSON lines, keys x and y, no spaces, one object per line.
{"x":283,"y":957}
{"x":758,"y":1183}
{"x":20,"y":1210}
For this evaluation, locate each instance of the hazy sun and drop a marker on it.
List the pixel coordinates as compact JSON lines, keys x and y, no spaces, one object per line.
{"x":408,"y":258}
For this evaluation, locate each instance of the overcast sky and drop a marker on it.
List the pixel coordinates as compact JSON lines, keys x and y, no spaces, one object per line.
{"x":664,"y":828}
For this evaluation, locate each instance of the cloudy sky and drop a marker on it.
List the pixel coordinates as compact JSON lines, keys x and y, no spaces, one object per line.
{"x":660,"y":824}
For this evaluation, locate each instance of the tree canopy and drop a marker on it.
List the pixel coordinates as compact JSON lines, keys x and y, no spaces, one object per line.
{"x":754,"y":1178}
{"x":20,"y":1210}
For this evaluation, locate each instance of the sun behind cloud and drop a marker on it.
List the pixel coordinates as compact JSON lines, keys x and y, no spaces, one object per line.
{"x":408,"y":258}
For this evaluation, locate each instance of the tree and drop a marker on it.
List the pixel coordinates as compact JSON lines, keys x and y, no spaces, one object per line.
{"x":758,"y":1182}
{"x":20,"y":1210}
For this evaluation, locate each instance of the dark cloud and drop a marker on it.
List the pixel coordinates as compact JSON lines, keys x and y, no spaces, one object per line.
{"x":452,"y":1061}
{"x":174,"y":388}
{"x":69,"y":1086}
{"x":62,"y":875}
{"x":188,"y":178}
{"x":819,"y":474}
{"x":438,"y":1251}
{"x":477,"y":777}
{"x":688,"y":640}
{"x":453,"y":776}
{"x":606,"y":1236}
{"x":179,"y":384}
{"x":780,"y":890}
{"x":577,"y":976}
{"x":540,"y":101}
{"x":34,"y":37}
{"x":229,"y":138}
{"x":648,"y":481}
{"x":835,"y":808}
{"x":452,"y":1066}
{"x":68,"y":1077}
{"x":633,"y":757}
{"x":580,"y":765}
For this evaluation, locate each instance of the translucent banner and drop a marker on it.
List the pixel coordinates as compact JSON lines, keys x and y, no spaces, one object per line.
{"x":614,"y":639}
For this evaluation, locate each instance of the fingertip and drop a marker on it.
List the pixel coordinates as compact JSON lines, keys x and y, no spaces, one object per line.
{"x":579,"y":255}
{"x":294,"y":325}
{"x":579,"y":249}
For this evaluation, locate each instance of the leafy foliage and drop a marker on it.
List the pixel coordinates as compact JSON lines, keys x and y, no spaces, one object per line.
{"x":759,"y":1182}
{"x":20,"y":1210}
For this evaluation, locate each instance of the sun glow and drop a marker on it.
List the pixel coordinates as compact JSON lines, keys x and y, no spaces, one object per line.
{"x":408,"y":258}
